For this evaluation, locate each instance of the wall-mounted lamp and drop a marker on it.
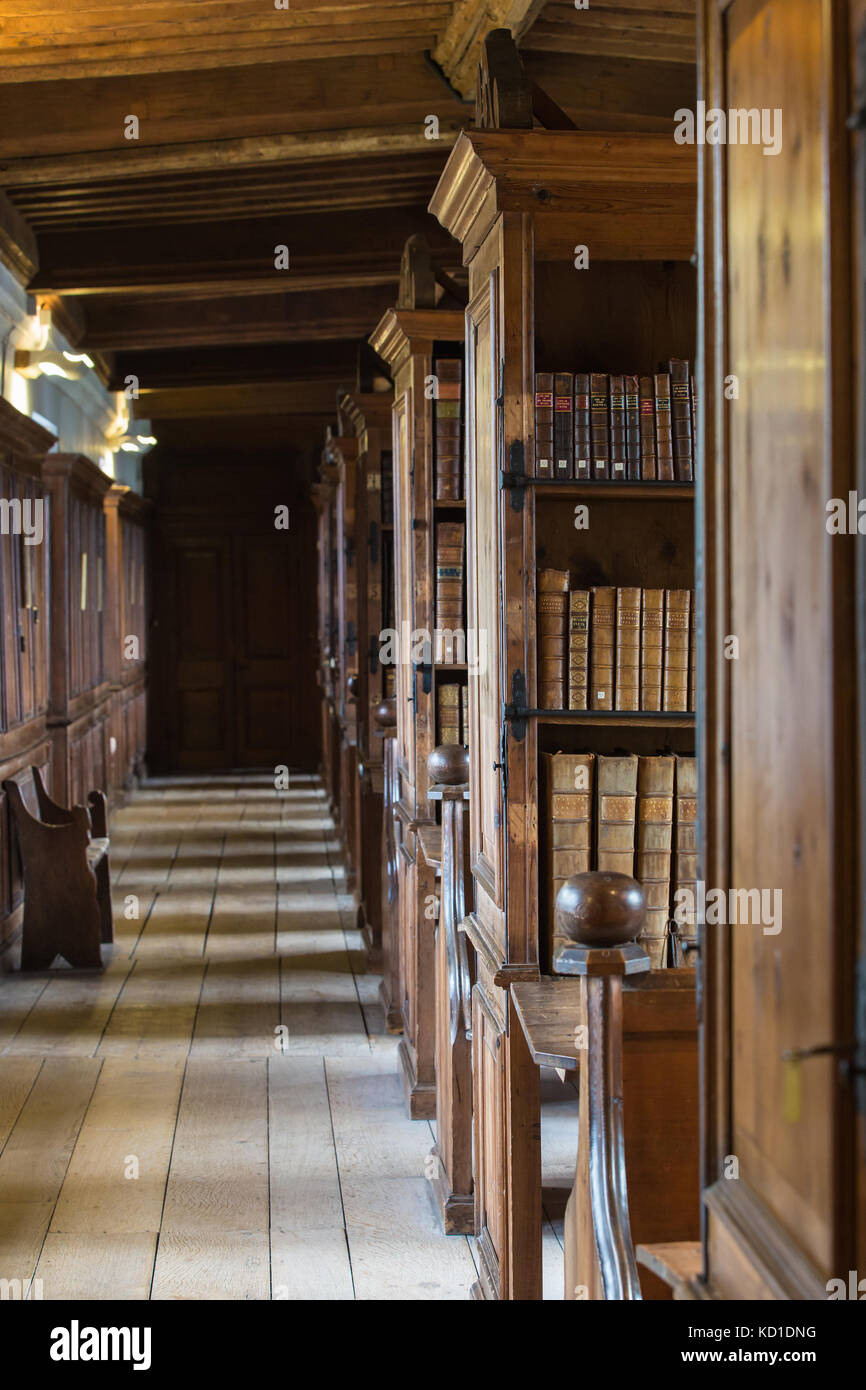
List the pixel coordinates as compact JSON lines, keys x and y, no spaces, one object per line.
{"x":34,"y":364}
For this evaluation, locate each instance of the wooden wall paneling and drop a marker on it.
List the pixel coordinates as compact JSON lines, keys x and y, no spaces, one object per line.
{"x":520,"y":202}
{"x":24,"y":599}
{"x":407,"y":339}
{"x":126,"y":518}
{"x":232,"y":640}
{"x":778,"y":775}
{"x":368,"y":415}
{"x":79,"y":687}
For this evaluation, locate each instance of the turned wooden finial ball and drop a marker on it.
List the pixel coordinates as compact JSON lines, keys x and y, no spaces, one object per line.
{"x":352,"y":685}
{"x":385,"y":713}
{"x":600,"y":910}
{"x":448,"y":765}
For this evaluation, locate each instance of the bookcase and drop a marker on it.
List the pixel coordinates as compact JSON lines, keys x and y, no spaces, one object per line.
{"x":79,"y":688}
{"x":324,"y":494}
{"x":411,"y":341}
{"x":126,"y":523}
{"x":367,"y":415}
{"x":531,"y":209}
{"x":24,"y":651}
{"x":341,"y":452}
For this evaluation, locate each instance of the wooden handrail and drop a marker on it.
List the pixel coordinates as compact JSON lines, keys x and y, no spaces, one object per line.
{"x":600,"y":915}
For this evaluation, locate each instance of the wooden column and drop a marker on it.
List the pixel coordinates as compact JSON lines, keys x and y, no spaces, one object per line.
{"x":448,"y":767}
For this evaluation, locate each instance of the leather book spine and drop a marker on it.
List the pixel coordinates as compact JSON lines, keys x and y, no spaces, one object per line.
{"x":664,"y":430}
{"x":568,"y":779}
{"x":544,"y":424}
{"x":464,"y":715}
{"x":602,"y":646}
{"x":654,"y":841}
{"x":552,"y":629}
{"x":681,"y":421}
{"x":628,"y":649}
{"x":618,"y":448}
{"x":675,"y":696}
{"x":652,"y":648}
{"x":686,"y":851}
{"x":578,"y":648}
{"x":648,"y":466}
{"x":563,"y":425}
{"x":600,"y":425}
{"x":632,"y":428}
{"x":617,"y":799}
{"x":449,"y":582}
{"x":447,"y":430}
{"x":448,"y":712}
{"x":582,"y":428}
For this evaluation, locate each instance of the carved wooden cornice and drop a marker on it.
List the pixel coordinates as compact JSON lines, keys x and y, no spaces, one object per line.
{"x":401,"y":332}
{"x":631,"y":196}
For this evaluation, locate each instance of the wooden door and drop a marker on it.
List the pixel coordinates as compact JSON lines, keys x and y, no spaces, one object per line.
{"x":483,"y":590}
{"x":265,"y":696}
{"x":403,"y":583}
{"x":201,"y":689}
{"x":778,"y":735}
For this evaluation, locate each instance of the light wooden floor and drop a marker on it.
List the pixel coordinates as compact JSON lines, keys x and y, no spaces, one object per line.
{"x":218,"y":1115}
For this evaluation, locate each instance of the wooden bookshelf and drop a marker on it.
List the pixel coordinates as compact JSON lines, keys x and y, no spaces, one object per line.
{"x":520,"y":202}
{"x":341,"y":452}
{"x":409,"y":340}
{"x":367,"y":416}
{"x":324,"y":495}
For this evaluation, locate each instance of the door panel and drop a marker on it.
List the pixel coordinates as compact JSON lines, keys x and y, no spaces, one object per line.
{"x":778,"y":758}
{"x":263,"y":642}
{"x":202,"y":703}
{"x":482,"y":494}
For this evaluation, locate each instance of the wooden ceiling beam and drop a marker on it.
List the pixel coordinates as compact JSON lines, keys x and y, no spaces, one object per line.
{"x":354,"y":248}
{"x":236,"y":104}
{"x":18,"y":248}
{"x":226,"y":320}
{"x":247,"y":398}
{"x":226,"y":155}
{"x":207,"y":366}
{"x":459,"y":49}
{"x":614,"y":93}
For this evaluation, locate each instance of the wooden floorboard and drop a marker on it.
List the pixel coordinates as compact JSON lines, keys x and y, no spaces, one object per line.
{"x":232,"y":1055}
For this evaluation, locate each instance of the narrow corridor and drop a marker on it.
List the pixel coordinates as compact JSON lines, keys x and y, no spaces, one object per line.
{"x":217,"y":1115}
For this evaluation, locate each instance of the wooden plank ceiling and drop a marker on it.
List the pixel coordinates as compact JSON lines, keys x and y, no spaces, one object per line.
{"x":261,"y":126}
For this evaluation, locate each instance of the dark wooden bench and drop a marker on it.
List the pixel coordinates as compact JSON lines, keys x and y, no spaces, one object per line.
{"x":67,"y":885}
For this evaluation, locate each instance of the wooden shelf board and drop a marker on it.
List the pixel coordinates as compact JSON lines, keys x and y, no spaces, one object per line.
{"x":614,"y":718}
{"x":645,"y":492}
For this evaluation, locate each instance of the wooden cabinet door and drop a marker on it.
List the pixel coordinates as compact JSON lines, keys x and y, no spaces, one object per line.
{"x":404,"y":542}
{"x":777,"y":759}
{"x":483,"y":589}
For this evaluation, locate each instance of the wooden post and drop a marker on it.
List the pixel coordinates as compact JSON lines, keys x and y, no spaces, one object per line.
{"x":451,"y":1180}
{"x":385,"y":716}
{"x":602,"y":914}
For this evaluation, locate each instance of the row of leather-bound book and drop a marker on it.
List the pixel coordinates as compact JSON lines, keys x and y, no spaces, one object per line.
{"x":452,"y":713}
{"x":608,"y":648}
{"x":630,"y":815}
{"x":618,"y":428}
{"x":450,"y":537}
{"x":447,"y":429}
